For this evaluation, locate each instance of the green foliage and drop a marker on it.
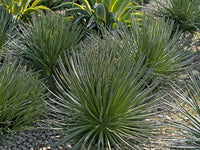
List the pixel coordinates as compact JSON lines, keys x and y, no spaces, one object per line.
{"x":22,"y":8}
{"x":43,"y":41}
{"x":21,"y":96}
{"x":163,"y":52}
{"x":104,"y":100}
{"x":98,"y":12}
{"x":186,"y":13}
{"x":5,"y":26}
{"x":187,"y":101}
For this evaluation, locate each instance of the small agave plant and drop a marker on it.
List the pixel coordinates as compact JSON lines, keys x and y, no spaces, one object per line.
{"x":103,"y":101}
{"x":21,"y":95}
{"x":163,"y":51}
{"x":187,"y":107}
{"x":44,"y":40}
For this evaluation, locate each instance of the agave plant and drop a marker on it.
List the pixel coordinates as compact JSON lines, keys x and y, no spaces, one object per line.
{"x":21,"y":96}
{"x":186,"y":13}
{"x":43,"y":41}
{"x":97,"y":12}
{"x":163,"y":51}
{"x":187,"y":107}
{"x":103,"y":102}
{"x":21,"y":8}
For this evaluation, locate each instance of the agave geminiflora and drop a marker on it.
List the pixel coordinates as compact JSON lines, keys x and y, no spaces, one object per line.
{"x":21,"y":96}
{"x":103,"y":98}
{"x":42,"y":42}
{"x":163,"y":51}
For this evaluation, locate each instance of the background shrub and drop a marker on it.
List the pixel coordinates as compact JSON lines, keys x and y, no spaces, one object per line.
{"x":95,"y":14}
{"x":22,"y":9}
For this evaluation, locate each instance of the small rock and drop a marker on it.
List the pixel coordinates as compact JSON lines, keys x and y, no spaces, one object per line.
{"x":68,"y":146}
{"x":44,"y":148}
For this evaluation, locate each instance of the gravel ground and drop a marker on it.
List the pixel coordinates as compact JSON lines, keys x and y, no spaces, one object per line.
{"x":33,"y":140}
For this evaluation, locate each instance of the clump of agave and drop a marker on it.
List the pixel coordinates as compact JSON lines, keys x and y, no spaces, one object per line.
{"x":44,"y":40}
{"x":162,"y":50}
{"x":103,"y":100}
